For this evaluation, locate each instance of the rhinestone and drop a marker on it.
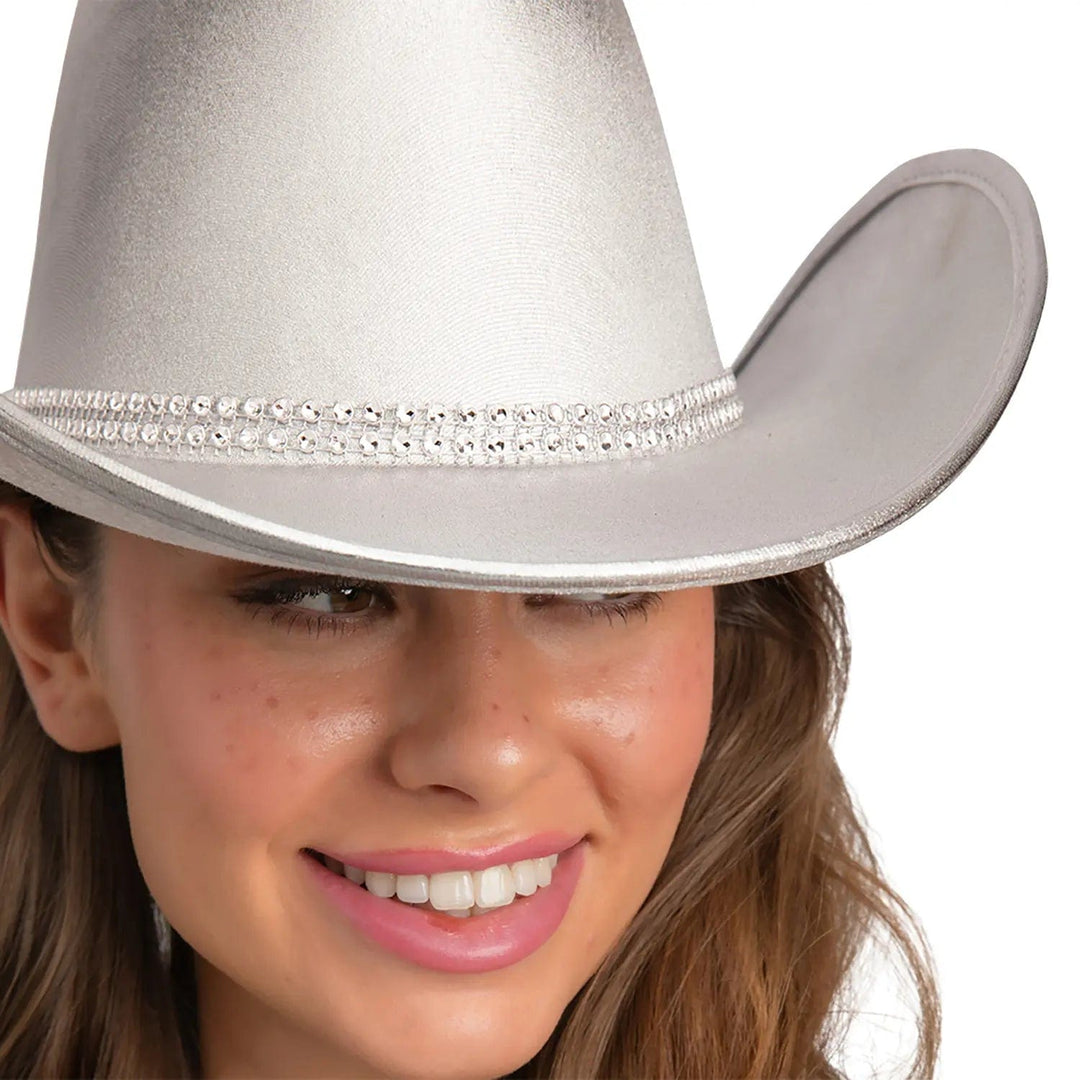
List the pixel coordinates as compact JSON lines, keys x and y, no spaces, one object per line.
{"x":687,"y":416}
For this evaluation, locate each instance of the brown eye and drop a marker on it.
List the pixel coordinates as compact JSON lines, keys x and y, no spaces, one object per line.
{"x":337,"y":600}
{"x":332,"y":605}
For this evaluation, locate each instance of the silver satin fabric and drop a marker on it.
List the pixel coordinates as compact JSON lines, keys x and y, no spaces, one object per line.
{"x":425,"y":201}
{"x":474,"y":201}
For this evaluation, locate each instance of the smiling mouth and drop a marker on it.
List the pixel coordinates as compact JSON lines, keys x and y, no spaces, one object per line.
{"x":484,"y":890}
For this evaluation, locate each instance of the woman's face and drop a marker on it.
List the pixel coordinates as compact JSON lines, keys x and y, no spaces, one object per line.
{"x":354,"y":721}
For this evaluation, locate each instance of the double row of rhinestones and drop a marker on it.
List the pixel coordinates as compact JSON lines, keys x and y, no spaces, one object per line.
{"x":268,"y":428}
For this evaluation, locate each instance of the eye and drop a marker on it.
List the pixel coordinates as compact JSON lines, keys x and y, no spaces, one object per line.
{"x":598,"y":603}
{"x":333,"y":605}
{"x":336,"y":605}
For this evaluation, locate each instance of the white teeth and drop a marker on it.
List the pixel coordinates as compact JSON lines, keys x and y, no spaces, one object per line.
{"x":412,"y":888}
{"x":452,"y":889}
{"x":375,"y":882}
{"x":457,"y":892}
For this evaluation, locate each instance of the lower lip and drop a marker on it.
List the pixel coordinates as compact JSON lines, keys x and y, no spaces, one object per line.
{"x":441,"y":942}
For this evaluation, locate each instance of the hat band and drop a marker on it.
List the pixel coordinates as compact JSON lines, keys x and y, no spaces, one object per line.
{"x":259,"y":429}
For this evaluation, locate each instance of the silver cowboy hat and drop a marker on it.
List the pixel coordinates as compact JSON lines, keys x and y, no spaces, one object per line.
{"x":407,"y":291}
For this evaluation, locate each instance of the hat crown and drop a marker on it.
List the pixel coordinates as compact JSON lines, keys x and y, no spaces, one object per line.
{"x":447,"y":200}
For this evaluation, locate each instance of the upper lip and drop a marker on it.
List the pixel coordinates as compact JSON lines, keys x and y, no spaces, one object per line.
{"x":430,"y":861}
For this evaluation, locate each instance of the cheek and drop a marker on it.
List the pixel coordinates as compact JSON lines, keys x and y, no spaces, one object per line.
{"x":648,"y":718}
{"x":217,"y":746}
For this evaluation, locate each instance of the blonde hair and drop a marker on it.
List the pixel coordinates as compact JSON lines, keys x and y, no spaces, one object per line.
{"x":736,"y":965}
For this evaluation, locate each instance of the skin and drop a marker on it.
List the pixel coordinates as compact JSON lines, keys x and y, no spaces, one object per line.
{"x":453,"y":718}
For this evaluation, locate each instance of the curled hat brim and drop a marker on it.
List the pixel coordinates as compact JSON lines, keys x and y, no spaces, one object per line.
{"x":877,"y":373}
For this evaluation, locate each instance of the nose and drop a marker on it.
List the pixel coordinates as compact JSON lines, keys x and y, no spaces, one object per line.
{"x":474,"y":708}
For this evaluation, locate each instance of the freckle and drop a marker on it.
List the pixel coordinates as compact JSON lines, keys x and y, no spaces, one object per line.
{"x":527,"y":720}
{"x":272,"y":702}
{"x":628,"y":738}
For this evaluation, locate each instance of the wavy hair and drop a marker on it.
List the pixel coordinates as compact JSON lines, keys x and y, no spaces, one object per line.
{"x":739,"y":963}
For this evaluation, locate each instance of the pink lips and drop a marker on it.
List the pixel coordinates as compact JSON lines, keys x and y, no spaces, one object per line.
{"x":432,"y":939}
{"x":419,"y":861}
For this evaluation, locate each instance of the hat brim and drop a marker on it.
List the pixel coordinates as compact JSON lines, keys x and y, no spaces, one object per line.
{"x":872,"y":380}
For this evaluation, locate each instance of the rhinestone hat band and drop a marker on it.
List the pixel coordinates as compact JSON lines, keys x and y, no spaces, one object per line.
{"x":259,"y":429}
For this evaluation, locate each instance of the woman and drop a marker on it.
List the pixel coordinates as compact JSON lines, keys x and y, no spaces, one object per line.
{"x":409,"y":618}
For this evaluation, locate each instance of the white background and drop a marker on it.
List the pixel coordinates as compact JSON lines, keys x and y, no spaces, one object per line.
{"x":958,"y":735}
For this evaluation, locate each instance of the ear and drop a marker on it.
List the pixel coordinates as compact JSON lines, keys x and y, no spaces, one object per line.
{"x":37,"y":609}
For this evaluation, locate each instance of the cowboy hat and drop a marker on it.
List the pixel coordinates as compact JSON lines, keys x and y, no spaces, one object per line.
{"x":407,"y":292}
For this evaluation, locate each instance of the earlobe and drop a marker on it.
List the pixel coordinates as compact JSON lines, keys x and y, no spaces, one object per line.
{"x":37,"y":608}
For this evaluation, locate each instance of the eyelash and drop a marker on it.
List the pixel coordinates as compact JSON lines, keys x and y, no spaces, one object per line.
{"x":272,"y":601}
